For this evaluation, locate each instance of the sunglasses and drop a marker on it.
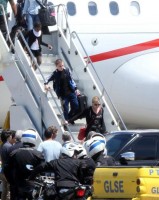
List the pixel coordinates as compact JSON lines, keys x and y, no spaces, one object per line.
{"x":96,"y":104}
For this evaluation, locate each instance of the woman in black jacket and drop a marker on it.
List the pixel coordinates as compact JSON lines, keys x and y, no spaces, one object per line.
{"x":94,"y":117}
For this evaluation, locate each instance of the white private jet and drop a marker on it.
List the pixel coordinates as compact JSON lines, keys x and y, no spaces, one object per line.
{"x":122,"y":40}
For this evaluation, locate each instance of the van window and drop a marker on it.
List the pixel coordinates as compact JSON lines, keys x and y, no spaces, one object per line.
{"x":134,"y":8}
{"x":92,"y":8}
{"x":142,"y":153}
{"x":114,"y":8}
{"x":71,"y":8}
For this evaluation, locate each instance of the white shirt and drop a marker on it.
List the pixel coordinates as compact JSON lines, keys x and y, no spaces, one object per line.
{"x":35,"y":45}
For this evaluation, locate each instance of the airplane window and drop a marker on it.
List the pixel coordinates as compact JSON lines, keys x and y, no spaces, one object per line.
{"x":92,"y":7}
{"x":114,"y":8}
{"x":71,"y":8}
{"x":135,"y":8}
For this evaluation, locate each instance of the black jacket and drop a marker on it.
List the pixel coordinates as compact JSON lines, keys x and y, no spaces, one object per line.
{"x":31,"y":38}
{"x":18,"y":161}
{"x":58,"y":82}
{"x":68,"y":171}
{"x":88,"y":168}
{"x":95,"y":122}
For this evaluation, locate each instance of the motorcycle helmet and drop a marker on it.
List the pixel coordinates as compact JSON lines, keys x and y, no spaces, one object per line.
{"x":80,"y":151}
{"x":96,"y":136}
{"x":68,"y":149}
{"x":29,"y":136}
{"x":94,"y":146}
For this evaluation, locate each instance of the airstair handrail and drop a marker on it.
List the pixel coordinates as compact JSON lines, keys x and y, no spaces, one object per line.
{"x":73,"y":34}
{"x":65,"y":14}
{"x":6,"y":26}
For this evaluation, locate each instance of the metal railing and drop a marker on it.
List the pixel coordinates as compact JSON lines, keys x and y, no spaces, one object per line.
{"x":65,"y":15}
{"x":6,"y":26}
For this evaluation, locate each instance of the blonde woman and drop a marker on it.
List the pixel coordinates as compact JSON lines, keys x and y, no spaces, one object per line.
{"x":94,"y":117}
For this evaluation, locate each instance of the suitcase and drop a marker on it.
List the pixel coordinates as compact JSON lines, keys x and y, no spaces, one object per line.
{"x":82,"y":100}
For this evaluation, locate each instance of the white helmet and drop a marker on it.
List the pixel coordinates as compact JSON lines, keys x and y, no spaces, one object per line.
{"x":80,"y":151}
{"x":98,"y":136}
{"x":29,"y":136}
{"x":94,"y":146}
{"x":68,"y":149}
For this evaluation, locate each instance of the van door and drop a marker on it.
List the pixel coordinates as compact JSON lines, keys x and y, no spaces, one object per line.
{"x":145,"y":149}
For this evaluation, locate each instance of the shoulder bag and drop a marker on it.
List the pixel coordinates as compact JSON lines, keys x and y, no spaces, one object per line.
{"x":83,"y":130}
{"x":47,"y":14}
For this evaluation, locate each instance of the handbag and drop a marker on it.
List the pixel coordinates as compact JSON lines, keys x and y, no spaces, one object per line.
{"x":82,"y":133}
{"x":47,"y":14}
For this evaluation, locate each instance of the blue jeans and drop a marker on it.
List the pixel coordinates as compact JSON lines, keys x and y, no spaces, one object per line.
{"x":31,"y":20}
{"x":74,"y":106}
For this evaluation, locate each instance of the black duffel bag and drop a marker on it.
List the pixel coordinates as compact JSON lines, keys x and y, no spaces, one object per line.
{"x":47,"y":14}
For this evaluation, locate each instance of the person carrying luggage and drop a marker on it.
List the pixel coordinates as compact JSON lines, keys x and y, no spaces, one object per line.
{"x":65,"y":88}
{"x":94,"y":115}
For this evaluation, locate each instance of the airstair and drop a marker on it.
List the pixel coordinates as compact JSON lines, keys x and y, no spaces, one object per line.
{"x":32,"y":106}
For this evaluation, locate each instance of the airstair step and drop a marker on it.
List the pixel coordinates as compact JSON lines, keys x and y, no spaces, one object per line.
{"x":76,"y":127}
{"x":49,"y":58}
{"x":46,"y":68}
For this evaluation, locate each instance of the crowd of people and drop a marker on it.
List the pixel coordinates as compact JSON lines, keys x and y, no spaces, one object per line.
{"x":70,"y":161}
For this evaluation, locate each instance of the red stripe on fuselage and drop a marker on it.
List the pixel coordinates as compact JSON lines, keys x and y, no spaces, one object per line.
{"x":1,"y":78}
{"x":125,"y":51}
